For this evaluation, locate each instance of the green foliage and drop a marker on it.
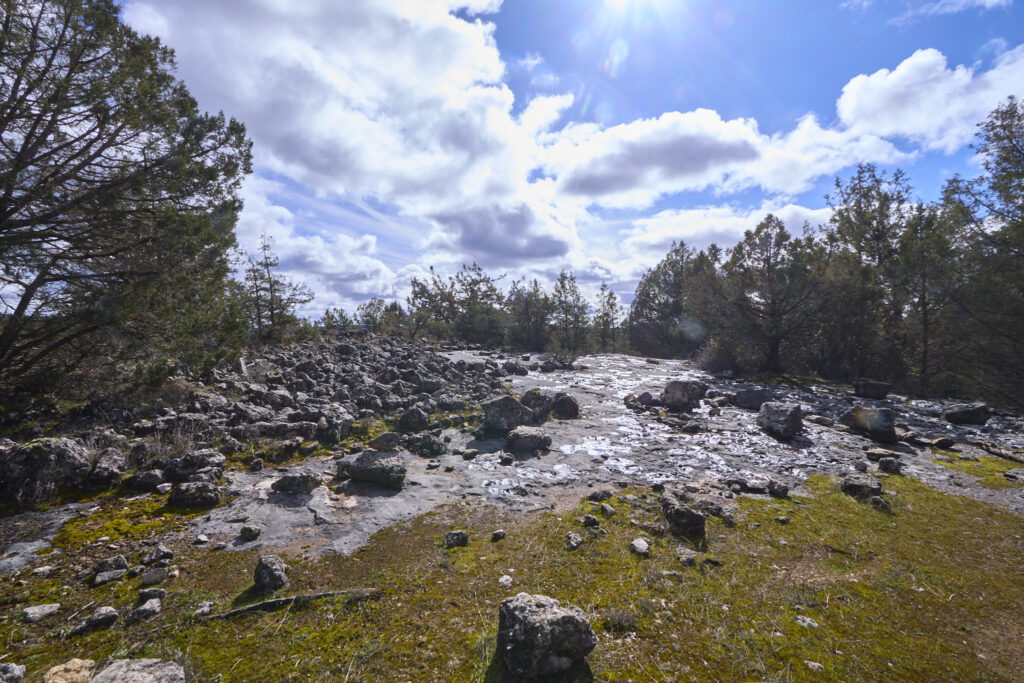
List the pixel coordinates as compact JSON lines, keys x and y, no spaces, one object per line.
{"x":118,"y":201}
{"x":607,"y":319}
{"x":569,"y":316}
{"x":269,"y":300}
{"x":529,"y":315}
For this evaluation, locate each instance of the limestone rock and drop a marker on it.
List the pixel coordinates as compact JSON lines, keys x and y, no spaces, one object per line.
{"x":752,"y":399}
{"x":194,"y":495}
{"x":73,"y":671}
{"x":141,"y":671}
{"x":683,"y":395}
{"x":975,"y":414}
{"x":504,"y":414}
{"x":271,"y":574}
{"x":302,"y":481}
{"x":37,"y":613}
{"x":539,"y":637}
{"x":374,"y":467}
{"x":782,"y":420}
{"x":528,"y":439}
{"x":683,"y":521}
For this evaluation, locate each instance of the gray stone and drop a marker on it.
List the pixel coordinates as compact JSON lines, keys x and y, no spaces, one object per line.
{"x":414,"y":420}
{"x":683,"y":521}
{"x":160,"y":553}
{"x":11,"y":673}
{"x":108,"y":577}
{"x":203,"y":609}
{"x":683,"y":395}
{"x":271,"y":574}
{"x":565,"y":407}
{"x":573,"y":540}
{"x":301,"y":481}
{"x":385,"y":468}
{"x":752,"y":399}
{"x":250,"y":533}
{"x":497,"y":535}
{"x":37,"y":613}
{"x":860,"y":486}
{"x":539,"y":637}
{"x":154,"y":576}
{"x":388,"y":441}
{"x":110,"y":563}
{"x":150,"y":593}
{"x":640,"y":546}
{"x":194,"y":495}
{"x":147,"y":610}
{"x":974,"y":414}
{"x":880,"y":503}
{"x":102,"y":618}
{"x":539,"y":402}
{"x":878,"y":424}
{"x":37,"y":471}
{"x":456,"y":539}
{"x":889,"y":466}
{"x":141,"y":671}
{"x":777,"y":490}
{"x":783,"y":420}
{"x":148,"y":480}
{"x":869,"y":388}
{"x":504,"y":414}
{"x":528,"y":439}
{"x":110,"y":465}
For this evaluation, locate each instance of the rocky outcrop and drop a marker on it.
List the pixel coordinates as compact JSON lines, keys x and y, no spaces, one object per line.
{"x":974,"y":414}
{"x":37,"y":471}
{"x":782,"y":420}
{"x":539,"y":637}
{"x":384,"y":468}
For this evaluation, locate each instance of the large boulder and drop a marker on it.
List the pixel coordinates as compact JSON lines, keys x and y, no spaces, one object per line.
{"x":538,"y":637}
{"x":35,"y":472}
{"x":271,"y":573}
{"x":683,"y":395}
{"x":504,"y":414}
{"x":683,"y":521}
{"x":194,"y":495}
{"x":565,"y":407}
{"x":528,"y":439}
{"x":878,"y":424}
{"x":783,"y":420}
{"x":869,"y":388}
{"x":110,"y":465}
{"x":415,"y":419}
{"x":384,"y":468}
{"x":539,"y":402}
{"x":751,"y":399}
{"x":974,"y":414}
{"x":141,"y":671}
{"x":301,"y":481}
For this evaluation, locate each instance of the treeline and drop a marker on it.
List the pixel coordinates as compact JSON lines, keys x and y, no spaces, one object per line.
{"x":927,"y":296}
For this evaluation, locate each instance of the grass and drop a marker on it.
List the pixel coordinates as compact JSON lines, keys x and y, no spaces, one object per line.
{"x":929,"y":592}
{"x":988,"y":470}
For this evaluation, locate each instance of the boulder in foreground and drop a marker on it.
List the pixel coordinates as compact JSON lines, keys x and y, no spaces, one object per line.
{"x":141,"y":671}
{"x":537,"y":636}
{"x":385,"y":468}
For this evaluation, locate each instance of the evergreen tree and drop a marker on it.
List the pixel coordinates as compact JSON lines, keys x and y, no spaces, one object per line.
{"x":370,"y":314}
{"x":529,"y":316}
{"x":569,"y":315}
{"x":607,"y":316}
{"x":268,"y":299}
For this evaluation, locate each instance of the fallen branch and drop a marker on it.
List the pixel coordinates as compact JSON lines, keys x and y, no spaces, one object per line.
{"x":354,"y":595}
{"x":999,"y":451}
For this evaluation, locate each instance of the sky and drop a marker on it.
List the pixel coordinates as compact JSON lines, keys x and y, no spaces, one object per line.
{"x":534,"y":136}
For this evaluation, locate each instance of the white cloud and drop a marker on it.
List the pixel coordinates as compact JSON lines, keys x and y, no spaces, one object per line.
{"x":925,"y":101}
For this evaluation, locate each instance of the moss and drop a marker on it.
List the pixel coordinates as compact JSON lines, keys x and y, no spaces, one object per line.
{"x":119,"y":519}
{"x":987,"y":469}
{"x":929,"y":592}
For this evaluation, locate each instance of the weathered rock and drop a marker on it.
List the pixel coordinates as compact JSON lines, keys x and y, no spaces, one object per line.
{"x":860,"y":486}
{"x":154,"y":576}
{"x":250,"y":533}
{"x":103,"y":617}
{"x":109,"y":576}
{"x":110,"y":563}
{"x":538,"y":637}
{"x":497,"y":535}
{"x":301,"y":481}
{"x":158,"y":554}
{"x":683,"y":521}
{"x":889,"y":466}
{"x":11,"y":673}
{"x":876,"y":454}
{"x":141,"y":671}
{"x":388,"y":441}
{"x":777,"y":490}
{"x":203,"y":609}
{"x":819,"y":420}
{"x":73,"y":671}
{"x":456,"y":539}
{"x":382,"y":468}
{"x":110,"y":465}
{"x":147,"y":610}
{"x":414,"y":420}
{"x":751,"y":399}
{"x":528,"y":439}
{"x":573,"y":540}
{"x":878,"y":424}
{"x":975,"y":414}
{"x":37,"y":613}
{"x":504,"y":414}
{"x":35,"y":472}
{"x":869,"y":388}
{"x":194,"y":495}
{"x":150,"y":593}
{"x":783,"y":420}
{"x":880,"y":503}
{"x":144,"y":481}
{"x":539,"y":402}
{"x":271,"y":574}
{"x":565,"y":407}
{"x":640,"y":546}
{"x":683,"y":395}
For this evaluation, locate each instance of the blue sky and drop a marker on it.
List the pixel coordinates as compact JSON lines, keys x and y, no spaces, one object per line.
{"x":532,"y":136}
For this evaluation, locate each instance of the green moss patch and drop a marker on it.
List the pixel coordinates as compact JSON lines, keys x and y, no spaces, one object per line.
{"x":987,"y":469}
{"x":929,"y":592}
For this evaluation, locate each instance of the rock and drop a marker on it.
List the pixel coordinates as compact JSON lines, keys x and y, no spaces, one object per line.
{"x":141,"y":671}
{"x":782,"y":420}
{"x":270,"y":574}
{"x":640,"y":547}
{"x":819,"y":420}
{"x":539,"y":403}
{"x":150,"y":593}
{"x":889,"y":466}
{"x":154,"y":576}
{"x":160,"y":553}
{"x":194,"y":495}
{"x":683,"y":521}
{"x":147,"y":610}
{"x":382,"y":468}
{"x":102,"y":618}
{"x":752,"y":399}
{"x":456,"y":539}
{"x":607,"y":510}
{"x":497,"y":535}
{"x":538,"y":637}
{"x":565,"y":407}
{"x":37,"y":471}
{"x":505,"y":581}
{"x":37,"y":613}
{"x":814,"y":666}
{"x":144,"y":481}
{"x":250,"y":533}
{"x":861,"y":465}
{"x":869,"y":388}
{"x":301,"y":481}
{"x":860,"y":486}
{"x":110,"y":465}
{"x":388,"y":441}
{"x":975,"y":414}
{"x":600,"y":496}
{"x":413,"y":420}
{"x":109,"y":577}
{"x":504,"y":414}
{"x":591,"y":522}
{"x":43,"y":572}
{"x":528,"y":439}
{"x":806,"y":622}
{"x":573,"y":540}
{"x":73,"y":671}
{"x":876,"y":454}
{"x":110,"y":563}
{"x":878,"y":424}
{"x":879,"y":503}
{"x":777,"y":490}
{"x":203,"y":609}
{"x":11,"y":673}
{"x":683,"y":395}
